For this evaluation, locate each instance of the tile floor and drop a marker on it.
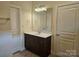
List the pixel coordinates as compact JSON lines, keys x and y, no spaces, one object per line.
{"x":27,"y":53}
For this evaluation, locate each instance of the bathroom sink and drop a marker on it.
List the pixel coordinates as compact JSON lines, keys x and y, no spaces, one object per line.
{"x":41,"y":34}
{"x":44,"y":34}
{"x":34,"y":33}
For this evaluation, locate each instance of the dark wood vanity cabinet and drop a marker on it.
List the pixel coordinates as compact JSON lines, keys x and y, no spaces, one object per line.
{"x":38,"y":45}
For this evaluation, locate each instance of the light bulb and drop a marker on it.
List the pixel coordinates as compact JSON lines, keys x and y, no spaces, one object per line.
{"x":41,"y":9}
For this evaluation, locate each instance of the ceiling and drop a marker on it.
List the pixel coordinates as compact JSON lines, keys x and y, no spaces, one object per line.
{"x":34,"y":3}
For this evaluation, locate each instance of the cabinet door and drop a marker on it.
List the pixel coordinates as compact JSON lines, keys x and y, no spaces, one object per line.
{"x":66,"y":28}
{"x":27,"y":42}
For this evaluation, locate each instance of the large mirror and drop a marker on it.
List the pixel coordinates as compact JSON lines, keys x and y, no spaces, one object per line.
{"x":42,"y":18}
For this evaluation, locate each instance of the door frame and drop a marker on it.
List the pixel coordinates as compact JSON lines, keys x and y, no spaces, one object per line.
{"x":55,"y":21}
{"x":21,"y":24}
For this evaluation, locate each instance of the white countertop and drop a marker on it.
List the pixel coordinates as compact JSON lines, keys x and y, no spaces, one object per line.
{"x":41,"y":34}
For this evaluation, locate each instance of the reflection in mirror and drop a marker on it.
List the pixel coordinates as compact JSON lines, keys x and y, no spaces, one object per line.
{"x":42,"y":20}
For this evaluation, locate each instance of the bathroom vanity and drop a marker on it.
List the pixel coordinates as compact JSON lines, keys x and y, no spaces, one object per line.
{"x":39,"y":44}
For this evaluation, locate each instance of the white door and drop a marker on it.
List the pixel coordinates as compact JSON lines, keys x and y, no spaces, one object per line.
{"x":66,"y":29}
{"x":15,"y":20}
{"x":15,"y":29}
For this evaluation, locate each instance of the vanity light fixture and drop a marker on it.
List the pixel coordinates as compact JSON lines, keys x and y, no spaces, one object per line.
{"x":41,"y":9}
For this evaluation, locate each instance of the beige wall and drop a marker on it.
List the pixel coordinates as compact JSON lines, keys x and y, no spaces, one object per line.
{"x":27,"y":17}
{"x":4,"y":13}
{"x":39,"y":21}
{"x":26,"y":14}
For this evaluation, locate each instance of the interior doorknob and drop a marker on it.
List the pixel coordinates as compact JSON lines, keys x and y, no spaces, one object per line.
{"x":57,"y":34}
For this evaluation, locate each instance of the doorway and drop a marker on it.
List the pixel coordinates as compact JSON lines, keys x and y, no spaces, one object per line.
{"x":17,"y":41}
